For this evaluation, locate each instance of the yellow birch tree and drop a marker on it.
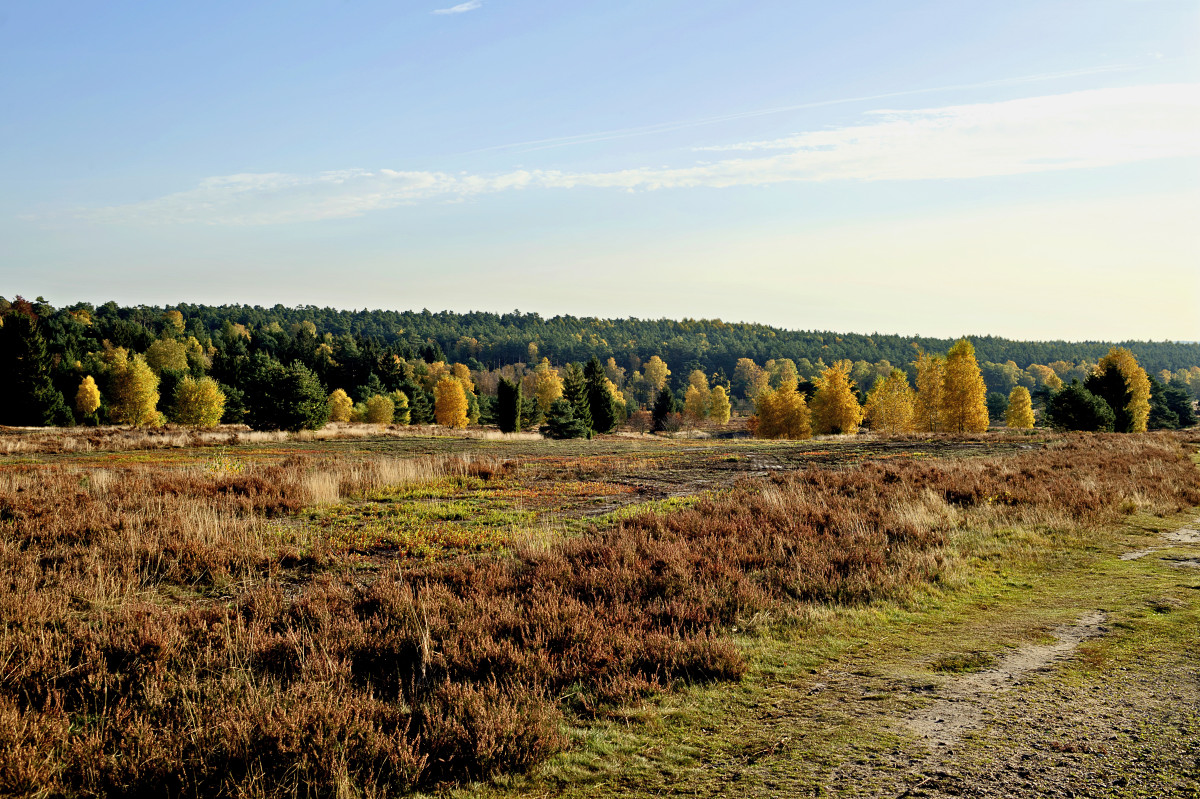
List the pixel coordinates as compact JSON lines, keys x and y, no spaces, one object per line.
{"x":655,"y":372}
{"x":835,"y":408}
{"x":450,"y":403}
{"x":340,"y":406}
{"x":891,"y":404}
{"x":718,"y":405}
{"x":87,"y":398}
{"x":198,"y":403}
{"x":380,"y":410}
{"x":931,"y":376}
{"x":549,"y":385}
{"x":964,"y":396}
{"x":1136,"y":383}
{"x":1020,"y":409}
{"x":134,"y":393}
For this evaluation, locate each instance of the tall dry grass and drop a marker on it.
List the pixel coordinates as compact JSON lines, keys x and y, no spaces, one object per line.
{"x":162,"y":634}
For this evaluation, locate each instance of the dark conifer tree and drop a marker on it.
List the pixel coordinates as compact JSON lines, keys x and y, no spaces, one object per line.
{"x":664,"y":406}
{"x":29,"y":396}
{"x":1076,"y":408}
{"x":575,"y":392}
{"x":561,"y":422}
{"x":601,"y":402}
{"x":508,"y":406}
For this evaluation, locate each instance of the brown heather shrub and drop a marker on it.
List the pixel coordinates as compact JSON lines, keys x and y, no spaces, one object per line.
{"x":152,"y":644}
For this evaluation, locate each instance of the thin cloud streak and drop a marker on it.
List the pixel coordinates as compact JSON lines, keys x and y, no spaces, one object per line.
{"x":1080,"y":130}
{"x":667,"y":127}
{"x":461,"y":8}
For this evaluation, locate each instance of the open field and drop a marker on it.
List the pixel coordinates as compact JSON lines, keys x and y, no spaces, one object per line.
{"x":374,"y":614}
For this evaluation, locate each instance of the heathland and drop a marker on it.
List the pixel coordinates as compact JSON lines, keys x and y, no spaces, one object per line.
{"x":373,"y":610}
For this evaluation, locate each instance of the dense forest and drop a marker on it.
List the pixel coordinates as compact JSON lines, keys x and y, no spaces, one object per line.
{"x":46,"y":353}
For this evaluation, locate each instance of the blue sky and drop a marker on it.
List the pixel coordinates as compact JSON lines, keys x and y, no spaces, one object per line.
{"x":1027,"y":169}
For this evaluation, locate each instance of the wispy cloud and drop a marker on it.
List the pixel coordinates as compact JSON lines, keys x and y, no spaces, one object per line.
{"x":1087,"y":129}
{"x":461,"y":8}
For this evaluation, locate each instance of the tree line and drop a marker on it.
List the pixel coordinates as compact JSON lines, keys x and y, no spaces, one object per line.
{"x":293,"y":368}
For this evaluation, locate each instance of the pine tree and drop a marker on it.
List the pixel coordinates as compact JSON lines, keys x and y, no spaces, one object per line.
{"x":450,"y":403}
{"x":718,"y":404}
{"x":602,"y":404}
{"x":508,"y":405}
{"x":835,"y":407}
{"x":1123,"y":384}
{"x":575,"y":392}
{"x":28,"y":397}
{"x":664,"y":406}
{"x":198,"y":403}
{"x":561,"y":422}
{"x":1076,"y":408}
{"x":891,"y":404}
{"x":1020,"y":409}
{"x":964,"y":398}
{"x":420,"y":404}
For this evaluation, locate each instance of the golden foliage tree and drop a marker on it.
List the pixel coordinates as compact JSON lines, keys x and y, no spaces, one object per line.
{"x":783,"y":372}
{"x":718,"y":405}
{"x":380,"y":410}
{"x":782,"y":413}
{"x":1020,"y":409}
{"x":891,"y":404}
{"x":655,"y":373}
{"x":750,"y":374}
{"x":697,"y":397}
{"x":964,"y":393}
{"x":198,"y":403}
{"x":835,"y":407}
{"x":931,"y":376}
{"x":134,"y":388}
{"x":167,"y":353}
{"x":450,"y":403}
{"x":1044,"y":376}
{"x":462,"y":373}
{"x":340,"y":406}
{"x":1137,"y":384}
{"x":87,"y":398}
{"x":549,"y":385}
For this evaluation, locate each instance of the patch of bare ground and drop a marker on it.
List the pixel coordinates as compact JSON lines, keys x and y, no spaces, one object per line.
{"x":962,"y":701}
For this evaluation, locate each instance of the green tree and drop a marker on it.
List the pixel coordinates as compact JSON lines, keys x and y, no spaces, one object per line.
{"x":1124,"y":385}
{"x":285,"y":397}
{"x":508,"y":405}
{"x":401,"y":413}
{"x":1076,"y":408}
{"x":28,"y":397}
{"x":561,"y":422}
{"x":575,"y":391}
{"x":997,"y":405}
{"x":664,"y":406}
{"x":602,"y":405}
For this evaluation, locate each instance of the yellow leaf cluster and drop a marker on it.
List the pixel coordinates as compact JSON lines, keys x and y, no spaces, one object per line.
{"x":891,"y":404}
{"x":782,"y":413}
{"x":964,"y":394}
{"x":835,"y":407}
{"x":340,"y":406}
{"x":198,"y":403}
{"x":719,"y":405}
{"x":87,"y":398}
{"x":450,"y":403}
{"x":548,"y":386}
{"x":1020,"y":409}
{"x":655,"y":372}
{"x":134,"y":392}
{"x":1136,"y":383}
{"x":380,"y":410}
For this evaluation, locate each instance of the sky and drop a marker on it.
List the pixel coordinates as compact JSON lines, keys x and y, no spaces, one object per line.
{"x":1027,"y":168}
